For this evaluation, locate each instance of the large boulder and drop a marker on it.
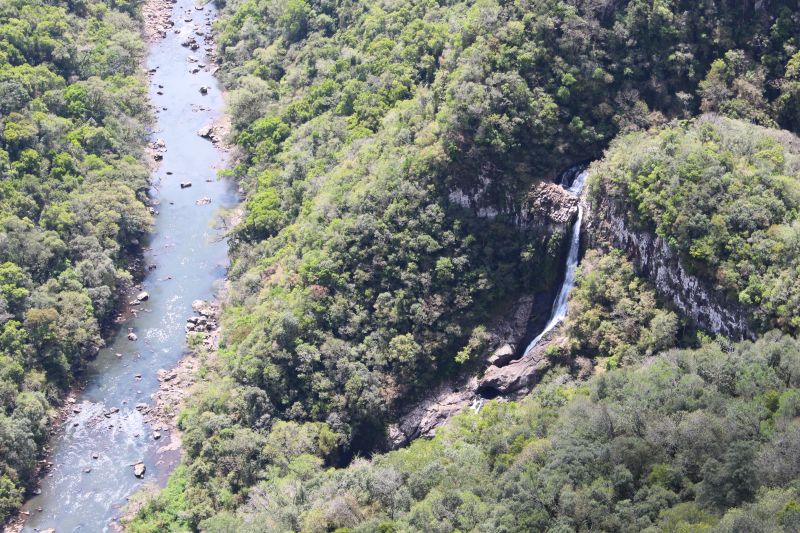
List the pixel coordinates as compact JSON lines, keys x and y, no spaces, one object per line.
{"x":549,"y":205}
{"x":502,"y":355}
{"x":519,"y":376}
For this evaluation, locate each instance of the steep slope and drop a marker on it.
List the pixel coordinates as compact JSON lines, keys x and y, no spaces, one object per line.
{"x":696,"y":440}
{"x":709,"y":211}
{"x":387,"y":152}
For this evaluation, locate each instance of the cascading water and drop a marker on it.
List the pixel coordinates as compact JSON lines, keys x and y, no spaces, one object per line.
{"x":559,"y":311}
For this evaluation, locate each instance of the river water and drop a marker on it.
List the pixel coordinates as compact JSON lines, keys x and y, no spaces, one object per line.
{"x":84,"y":493}
{"x":559,"y":311}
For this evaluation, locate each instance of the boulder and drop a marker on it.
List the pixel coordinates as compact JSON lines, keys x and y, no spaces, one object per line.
{"x":203,"y":90}
{"x":142,"y":296}
{"x":423,"y":419}
{"x":203,"y":308}
{"x":205,"y":200}
{"x":522,"y":374}
{"x":549,"y":204}
{"x":132,"y":336}
{"x":502,"y":355}
{"x":139,"y":469}
{"x":186,"y":184}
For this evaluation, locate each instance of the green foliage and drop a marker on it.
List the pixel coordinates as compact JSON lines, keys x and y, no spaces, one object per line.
{"x":386,"y":151}
{"x":726,"y":196}
{"x":614,"y":314}
{"x":734,"y":87}
{"x":671,"y":446}
{"x":72,"y":107}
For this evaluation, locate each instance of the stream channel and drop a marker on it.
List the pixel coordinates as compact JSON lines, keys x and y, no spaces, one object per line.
{"x":84,"y":493}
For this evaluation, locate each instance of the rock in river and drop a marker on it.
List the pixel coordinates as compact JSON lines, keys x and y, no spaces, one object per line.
{"x":139,"y":469}
{"x":203,"y":308}
{"x":142,"y":296}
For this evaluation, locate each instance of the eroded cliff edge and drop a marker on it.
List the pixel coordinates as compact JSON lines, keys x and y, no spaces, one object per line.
{"x":608,"y":225}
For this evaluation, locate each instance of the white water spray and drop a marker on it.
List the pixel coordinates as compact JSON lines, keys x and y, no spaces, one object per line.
{"x":559,"y":311}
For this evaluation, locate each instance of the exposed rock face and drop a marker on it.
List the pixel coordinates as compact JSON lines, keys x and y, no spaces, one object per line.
{"x":502,"y":356}
{"x":548,"y":208}
{"x":653,"y":258}
{"x":480,"y":197}
{"x":204,"y":308}
{"x":519,"y":375}
{"x":508,"y":335}
{"x":426,"y":416}
{"x":549,"y":205}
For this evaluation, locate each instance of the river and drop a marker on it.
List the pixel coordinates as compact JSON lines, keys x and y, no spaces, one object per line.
{"x":84,"y":493}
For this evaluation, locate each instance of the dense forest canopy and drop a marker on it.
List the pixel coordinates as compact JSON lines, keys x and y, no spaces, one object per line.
{"x":387,"y":151}
{"x":695,"y":440}
{"x":726,"y":197}
{"x":359,"y":276}
{"x":72,"y":180}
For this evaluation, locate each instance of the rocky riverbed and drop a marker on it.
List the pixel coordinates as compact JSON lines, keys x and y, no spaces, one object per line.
{"x":118,"y":433}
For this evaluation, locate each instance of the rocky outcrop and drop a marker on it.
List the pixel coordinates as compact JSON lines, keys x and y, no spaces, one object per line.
{"x":423,"y":419}
{"x":519,"y":375}
{"x":507,"y":339}
{"x":548,"y":205}
{"x":607,"y":224}
{"x":548,"y":208}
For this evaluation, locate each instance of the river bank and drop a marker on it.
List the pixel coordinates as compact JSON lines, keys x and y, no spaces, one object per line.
{"x":124,"y":416}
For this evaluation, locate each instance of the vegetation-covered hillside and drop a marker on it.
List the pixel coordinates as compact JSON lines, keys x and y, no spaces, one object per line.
{"x":72,"y":104}
{"x":726,"y":196}
{"x":694,"y":440}
{"x":387,"y":150}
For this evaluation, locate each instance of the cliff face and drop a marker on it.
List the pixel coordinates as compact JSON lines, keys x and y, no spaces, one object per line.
{"x":548,"y":209}
{"x":505,"y":372}
{"x":607,"y":225}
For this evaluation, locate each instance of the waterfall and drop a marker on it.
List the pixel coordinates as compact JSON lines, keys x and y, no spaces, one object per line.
{"x":559,"y":311}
